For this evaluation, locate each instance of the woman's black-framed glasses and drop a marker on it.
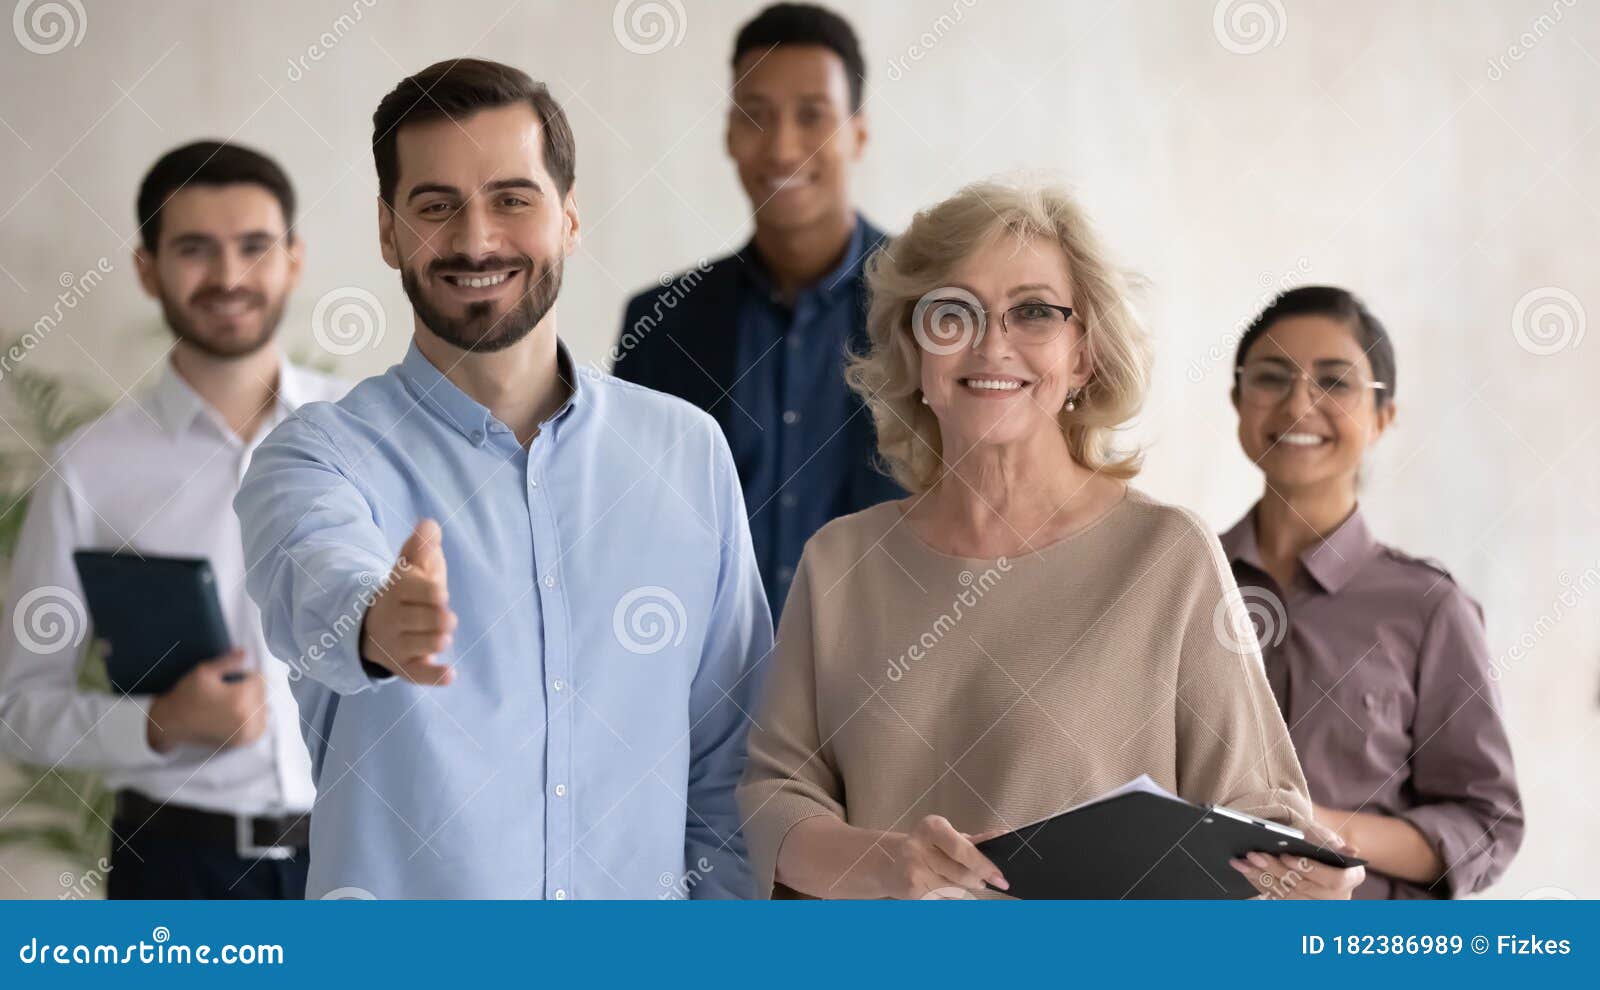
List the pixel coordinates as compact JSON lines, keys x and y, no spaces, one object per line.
{"x":954,"y":319}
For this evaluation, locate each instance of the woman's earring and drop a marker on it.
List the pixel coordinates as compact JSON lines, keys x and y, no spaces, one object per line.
{"x":1072,"y":401}
{"x":924,"y":400}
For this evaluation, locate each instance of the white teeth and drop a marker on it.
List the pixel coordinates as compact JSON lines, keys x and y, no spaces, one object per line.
{"x":1301,"y":439}
{"x":993,"y":384}
{"x":483,"y":281}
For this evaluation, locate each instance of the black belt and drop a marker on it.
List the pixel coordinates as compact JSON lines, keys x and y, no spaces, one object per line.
{"x":252,"y":837}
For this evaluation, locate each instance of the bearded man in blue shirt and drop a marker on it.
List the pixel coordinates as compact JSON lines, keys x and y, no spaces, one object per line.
{"x":522,"y":598}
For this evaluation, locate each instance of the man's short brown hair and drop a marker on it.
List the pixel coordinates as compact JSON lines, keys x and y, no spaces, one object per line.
{"x":457,"y":89}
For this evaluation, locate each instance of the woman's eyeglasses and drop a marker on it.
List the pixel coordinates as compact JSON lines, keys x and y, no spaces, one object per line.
{"x":1269,"y":384}
{"x":949,"y":323}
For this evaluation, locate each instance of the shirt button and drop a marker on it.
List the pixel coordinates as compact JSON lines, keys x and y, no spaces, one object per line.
{"x":791,"y":417}
{"x":532,"y":483}
{"x":557,"y":684}
{"x":561,"y":894}
{"x":550,"y":582}
{"x":477,"y":436}
{"x":788,"y":500}
{"x":561,"y":790}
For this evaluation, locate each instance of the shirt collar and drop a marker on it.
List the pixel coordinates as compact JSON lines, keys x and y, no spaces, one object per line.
{"x":466,"y":415}
{"x":175,"y":404}
{"x":1332,"y":562}
{"x":833,"y":283}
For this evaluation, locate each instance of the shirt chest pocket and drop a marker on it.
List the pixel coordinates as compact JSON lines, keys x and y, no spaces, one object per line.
{"x":1378,"y":730}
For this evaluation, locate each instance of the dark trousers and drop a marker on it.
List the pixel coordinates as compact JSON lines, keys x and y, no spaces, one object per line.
{"x":159,"y":868}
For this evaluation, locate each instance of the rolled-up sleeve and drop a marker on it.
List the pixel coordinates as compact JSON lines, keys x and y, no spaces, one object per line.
{"x":315,"y":556}
{"x":789,"y":776}
{"x":1469,"y":807}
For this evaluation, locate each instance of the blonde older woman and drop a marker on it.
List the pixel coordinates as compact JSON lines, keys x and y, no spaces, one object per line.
{"x":1025,"y":631}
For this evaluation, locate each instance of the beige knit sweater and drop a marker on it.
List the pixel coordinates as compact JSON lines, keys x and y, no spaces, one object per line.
{"x":909,"y":682}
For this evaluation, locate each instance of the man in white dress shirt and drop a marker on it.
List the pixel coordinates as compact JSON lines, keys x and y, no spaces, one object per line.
{"x":212,"y":778}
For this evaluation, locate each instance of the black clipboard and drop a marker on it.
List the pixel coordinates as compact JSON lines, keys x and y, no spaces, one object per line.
{"x":157,"y":616}
{"x":1141,"y":845}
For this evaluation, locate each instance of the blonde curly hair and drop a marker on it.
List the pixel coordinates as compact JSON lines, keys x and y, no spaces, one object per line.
{"x":889,"y":376}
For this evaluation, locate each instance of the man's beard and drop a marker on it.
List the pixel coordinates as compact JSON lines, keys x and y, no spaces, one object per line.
{"x":480,"y":330}
{"x":184,"y":328}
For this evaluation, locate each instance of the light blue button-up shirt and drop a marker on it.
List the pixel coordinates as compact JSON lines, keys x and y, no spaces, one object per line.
{"x":612,"y":631}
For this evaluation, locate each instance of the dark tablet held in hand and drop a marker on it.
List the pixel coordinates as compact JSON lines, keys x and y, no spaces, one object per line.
{"x":157,"y":616}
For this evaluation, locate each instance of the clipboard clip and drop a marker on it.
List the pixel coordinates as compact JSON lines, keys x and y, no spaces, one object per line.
{"x":1240,"y":816}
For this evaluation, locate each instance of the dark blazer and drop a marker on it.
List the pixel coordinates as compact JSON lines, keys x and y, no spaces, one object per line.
{"x":680,"y":339}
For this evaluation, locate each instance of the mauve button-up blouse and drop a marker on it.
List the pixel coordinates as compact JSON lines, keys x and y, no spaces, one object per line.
{"x":1380,"y":666}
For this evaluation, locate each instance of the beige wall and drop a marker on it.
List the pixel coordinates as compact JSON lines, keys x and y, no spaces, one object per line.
{"x":1441,"y":158}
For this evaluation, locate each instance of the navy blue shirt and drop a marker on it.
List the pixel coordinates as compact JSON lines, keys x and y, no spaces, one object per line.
{"x":791,"y":404}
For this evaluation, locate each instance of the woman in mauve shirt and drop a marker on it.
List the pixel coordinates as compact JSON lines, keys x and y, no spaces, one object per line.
{"x":1377,"y":659}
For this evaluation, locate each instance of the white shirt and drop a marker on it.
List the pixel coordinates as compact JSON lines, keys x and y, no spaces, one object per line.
{"x":157,"y":475}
